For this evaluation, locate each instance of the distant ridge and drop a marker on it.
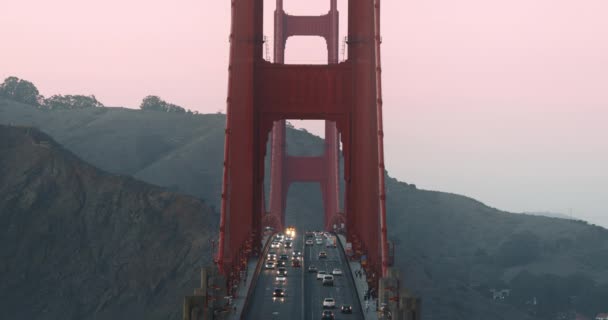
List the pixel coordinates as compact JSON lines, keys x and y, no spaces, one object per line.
{"x":551,"y":215}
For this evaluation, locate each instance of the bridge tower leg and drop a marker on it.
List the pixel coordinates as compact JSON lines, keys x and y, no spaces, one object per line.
{"x":286,"y":169}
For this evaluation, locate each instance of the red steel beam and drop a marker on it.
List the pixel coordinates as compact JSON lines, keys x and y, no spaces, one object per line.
{"x":304,"y":91}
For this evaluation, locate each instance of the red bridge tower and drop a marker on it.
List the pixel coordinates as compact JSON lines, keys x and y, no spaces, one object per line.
{"x":261,"y":95}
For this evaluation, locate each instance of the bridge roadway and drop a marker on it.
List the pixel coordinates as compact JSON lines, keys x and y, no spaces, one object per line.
{"x":304,"y":293}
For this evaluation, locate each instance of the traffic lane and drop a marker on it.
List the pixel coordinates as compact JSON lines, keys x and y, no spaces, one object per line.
{"x":263,"y":306}
{"x":319,"y":292}
{"x":343,"y":290}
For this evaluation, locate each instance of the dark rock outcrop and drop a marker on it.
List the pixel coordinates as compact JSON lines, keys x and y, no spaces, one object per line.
{"x":79,"y":243}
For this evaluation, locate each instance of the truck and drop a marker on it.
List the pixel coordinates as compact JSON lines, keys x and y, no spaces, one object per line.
{"x":331,"y":241}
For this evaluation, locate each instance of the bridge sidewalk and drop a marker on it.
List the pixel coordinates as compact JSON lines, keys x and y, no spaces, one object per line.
{"x":369,"y":309}
{"x":239,"y":302}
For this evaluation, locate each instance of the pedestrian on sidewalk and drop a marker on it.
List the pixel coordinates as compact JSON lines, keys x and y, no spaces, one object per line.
{"x":366,"y":306}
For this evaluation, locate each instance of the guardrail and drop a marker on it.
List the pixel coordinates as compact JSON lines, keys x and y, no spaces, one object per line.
{"x":350,"y":273}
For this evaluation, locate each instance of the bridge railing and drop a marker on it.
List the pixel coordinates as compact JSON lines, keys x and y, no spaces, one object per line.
{"x":254,"y":278}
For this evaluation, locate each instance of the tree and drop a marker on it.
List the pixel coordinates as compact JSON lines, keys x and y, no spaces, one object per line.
{"x":519,"y":249}
{"x":20,"y":90}
{"x":58,"y":102}
{"x":154,"y":103}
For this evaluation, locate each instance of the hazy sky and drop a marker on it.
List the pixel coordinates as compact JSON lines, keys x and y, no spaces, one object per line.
{"x":503,"y":101}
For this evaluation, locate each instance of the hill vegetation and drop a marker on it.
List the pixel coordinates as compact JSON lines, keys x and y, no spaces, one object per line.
{"x":455,"y":252}
{"x":79,"y":243}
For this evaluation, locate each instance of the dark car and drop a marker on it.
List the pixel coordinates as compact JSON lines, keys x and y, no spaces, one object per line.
{"x":278,"y":293}
{"x":312,"y":268}
{"x":284,"y":257}
{"x":282,"y":264}
{"x":327,"y":315}
{"x":295,"y":263}
{"x":282,"y":272}
{"x":322,"y":255}
{"x":346,"y":309}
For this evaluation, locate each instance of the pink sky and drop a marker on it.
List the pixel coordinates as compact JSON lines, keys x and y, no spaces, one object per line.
{"x":504,"y":101}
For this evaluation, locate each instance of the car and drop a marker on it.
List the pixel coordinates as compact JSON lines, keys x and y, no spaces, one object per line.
{"x":312,"y":268}
{"x":329,"y":303}
{"x":346,"y":308}
{"x":272,"y":256}
{"x":282,"y":264}
{"x":282,"y":271}
{"x":290,"y":231}
{"x":336,"y":272}
{"x":327,"y":315}
{"x":321,"y":274}
{"x":278,"y":293}
{"x":295,"y":263}
{"x":288,"y":245}
{"x":322,"y":255}
{"x":319,"y":241}
{"x":269,"y":265}
{"x":284,"y":257}
{"x":280,"y":278}
{"x":297,"y":253}
{"x":309,"y":242}
{"x":328,"y":280}
{"x":275,"y":244}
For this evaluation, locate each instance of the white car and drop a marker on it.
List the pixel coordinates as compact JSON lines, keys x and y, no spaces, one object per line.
{"x":269,"y":265}
{"x":281,"y":279}
{"x":336,"y":272}
{"x":321,"y":274}
{"x":275,"y":245}
{"x":309,"y":242}
{"x":329,"y":303}
{"x":319,"y":241}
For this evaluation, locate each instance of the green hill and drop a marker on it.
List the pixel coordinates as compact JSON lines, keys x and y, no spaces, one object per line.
{"x":451,"y":249}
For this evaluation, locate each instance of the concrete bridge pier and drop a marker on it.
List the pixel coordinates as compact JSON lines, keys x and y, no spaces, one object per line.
{"x":394,"y":302}
{"x":208,"y":301}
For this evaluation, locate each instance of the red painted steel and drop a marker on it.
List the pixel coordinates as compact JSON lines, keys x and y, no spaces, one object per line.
{"x":386,"y":256}
{"x":260,"y":94}
{"x":325,"y":26}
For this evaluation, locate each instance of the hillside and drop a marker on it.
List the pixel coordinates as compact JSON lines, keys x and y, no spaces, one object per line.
{"x":79,"y":243}
{"x":451,"y":249}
